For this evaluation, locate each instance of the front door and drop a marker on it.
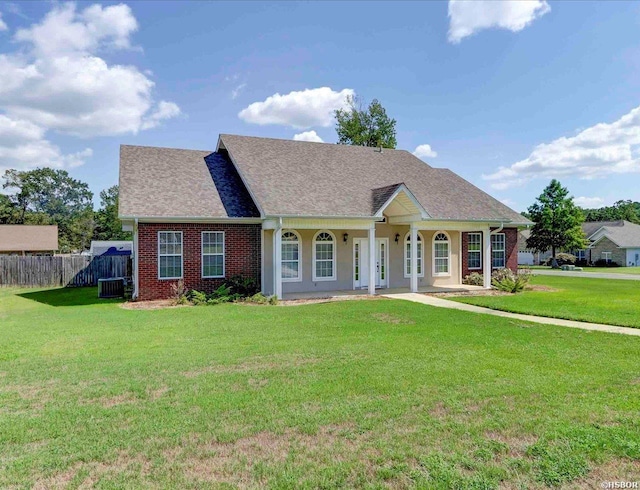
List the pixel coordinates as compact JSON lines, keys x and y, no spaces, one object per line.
{"x":361,"y":263}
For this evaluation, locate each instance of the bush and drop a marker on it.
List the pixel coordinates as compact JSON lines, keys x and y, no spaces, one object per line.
{"x":197,"y":298}
{"x":258,"y":298}
{"x":508,"y":281}
{"x":562,"y":258}
{"x":243,"y":286}
{"x":179,"y":293}
{"x":474,"y":279}
{"x":605,"y":263}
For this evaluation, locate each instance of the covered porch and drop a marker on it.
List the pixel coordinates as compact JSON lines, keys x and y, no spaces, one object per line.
{"x":316,"y":257}
{"x":356,"y":292}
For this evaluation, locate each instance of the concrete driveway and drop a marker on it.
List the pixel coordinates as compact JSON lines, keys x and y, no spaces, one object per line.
{"x":592,"y":275}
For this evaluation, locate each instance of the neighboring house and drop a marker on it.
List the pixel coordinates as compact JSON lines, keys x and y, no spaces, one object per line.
{"x":527,"y":256}
{"x":28,"y":239}
{"x":306,"y":217}
{"x":110,"y":247}
{"x":612,"y":241}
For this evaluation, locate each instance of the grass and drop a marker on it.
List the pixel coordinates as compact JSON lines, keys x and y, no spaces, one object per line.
{"x":367,"y":394}
{"x":613,"y":302}
{"x":612,"y":270}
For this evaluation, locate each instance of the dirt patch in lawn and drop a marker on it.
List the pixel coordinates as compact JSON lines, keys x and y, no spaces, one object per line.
{"x":541,"y":288}
{"x":614,"y":470}
{"x":232,"y":463}
{"x":517,"y":444}
{"x":159,"y":304}
{"x":256,"y":364}
{"x":393,"y":319}
{"x":112,"y":401}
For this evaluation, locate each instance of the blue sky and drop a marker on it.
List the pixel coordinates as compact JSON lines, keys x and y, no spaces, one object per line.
{"x":508,"y":95}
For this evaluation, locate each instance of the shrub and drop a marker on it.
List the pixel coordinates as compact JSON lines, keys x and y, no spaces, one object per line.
{"x":197,"y":298}
{"x":243,"y":286}
{"x":273,"y":300}
{"x":474,"y":279}
{"x":179,"y":293}
{"x":605,"y":263}
{"x":258,"y":298}
{"x":562,"y":258}
{"x":508,"y":281}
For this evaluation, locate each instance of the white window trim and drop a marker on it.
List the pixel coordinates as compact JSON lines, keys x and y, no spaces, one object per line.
{"x":504,"y":251}
{"x":282,"y":242}
{"x":171,"y":255}
{"x":474,"y":251}
{"x":407,"y":239}
{"x":433,"y":255}
{"x":335,"y":258}
{"x":224,"y":254}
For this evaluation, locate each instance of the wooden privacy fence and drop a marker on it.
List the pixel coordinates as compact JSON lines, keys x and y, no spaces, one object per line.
{"x":61,"y":271}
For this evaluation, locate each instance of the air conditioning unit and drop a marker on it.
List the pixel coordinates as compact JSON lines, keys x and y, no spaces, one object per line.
{"x":111,"y":288}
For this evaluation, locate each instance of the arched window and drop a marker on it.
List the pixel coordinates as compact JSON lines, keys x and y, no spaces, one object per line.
{"x":441,"y":251}
{"x":407,"y":255}
{"x":324,"y":256}
{"x":291,"y":270}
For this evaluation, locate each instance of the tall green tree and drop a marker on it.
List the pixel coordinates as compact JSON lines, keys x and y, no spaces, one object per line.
{"x":49,"y":196}
{"x":372,"y":126}
{"x":108,"y":225}
{"x":557,"y":222}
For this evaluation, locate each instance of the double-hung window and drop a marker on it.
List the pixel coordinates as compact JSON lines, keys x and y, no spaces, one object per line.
{"x":291,"y":257}
{"x":474,"y":250}
{"x":606,"y":256}
{"x":498,"y":251}
{"x":324,"y":256}
{"x":212,"y":254}
{"x":170,"y":254}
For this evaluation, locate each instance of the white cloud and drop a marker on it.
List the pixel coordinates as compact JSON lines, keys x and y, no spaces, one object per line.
{"x":236,"y":91}
{"x":466,"y":17}
{"x":589,"y":202}
{"x":308,"y":136}
{"x":300,"y":110}
{"x":601,"y":150}
{"x":424,"y":151}
{"x":56,"y":80}
{"x":3,"y":24}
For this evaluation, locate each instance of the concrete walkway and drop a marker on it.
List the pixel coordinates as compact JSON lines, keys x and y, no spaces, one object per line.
{"x":586,"y":275}
{"x":454,"y":305}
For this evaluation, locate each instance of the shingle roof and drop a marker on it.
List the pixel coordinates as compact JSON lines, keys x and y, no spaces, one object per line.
{"x":623,"y":233}
{"x":381,"y":195}
{"x":320,"y":179}
{"x":590,"y":227}
{"x":32,"y":238}
{"x":168,"y":182}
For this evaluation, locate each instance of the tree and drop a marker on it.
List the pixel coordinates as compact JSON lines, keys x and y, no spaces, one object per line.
{"x":365,"y":127}
{"x":108,"y":225}
{"x":557,"y":222}
{"x":48,"y":196}
{"x":624,"y":209}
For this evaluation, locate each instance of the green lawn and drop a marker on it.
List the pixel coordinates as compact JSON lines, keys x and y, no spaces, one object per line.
{"x":367,"y":394}
{"x":614,"y":302}
{"x":613,"y":270}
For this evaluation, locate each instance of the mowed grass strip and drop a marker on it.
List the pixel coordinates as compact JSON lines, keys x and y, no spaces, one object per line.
{"x":608,"y":301}
{"x":349,"y":394}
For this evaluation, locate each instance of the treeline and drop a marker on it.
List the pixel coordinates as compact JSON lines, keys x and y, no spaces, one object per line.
{"x":627,"y":210}
{"x":47,"y":196}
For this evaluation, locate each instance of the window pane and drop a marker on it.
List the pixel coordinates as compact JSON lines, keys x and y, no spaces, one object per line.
{"x":213,"y":265}
{"x":290,"y":269}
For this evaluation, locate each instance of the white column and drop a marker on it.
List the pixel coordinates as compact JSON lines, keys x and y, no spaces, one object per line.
{"x":372,"y":259}
{"x":486,"y":263}
{"x":460,"y":257}
{"x":277,"y":262}
{"x":414,"y":259}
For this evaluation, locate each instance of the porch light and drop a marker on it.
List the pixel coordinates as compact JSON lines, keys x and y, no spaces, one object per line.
{"x":345,"y":237}
{"x":397,"y":237}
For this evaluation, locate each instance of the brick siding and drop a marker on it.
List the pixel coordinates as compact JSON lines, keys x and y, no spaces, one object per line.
{"x":511,"y":251}
{"x":242,"y":256}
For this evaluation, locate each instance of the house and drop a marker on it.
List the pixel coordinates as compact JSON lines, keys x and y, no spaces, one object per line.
{"x":28,"y":239}
{"x":306,"y":217}
{"x":110,"y":247}
{"x":610,"y":241}
{"x":613,"y":241}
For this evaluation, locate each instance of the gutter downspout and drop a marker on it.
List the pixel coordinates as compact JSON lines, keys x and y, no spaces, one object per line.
{"x":135,"y":260}
{"x":497,"y":230}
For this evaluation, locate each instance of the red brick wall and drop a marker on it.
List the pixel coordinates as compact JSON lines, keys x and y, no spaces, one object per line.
{"x":511,"y":251}
{"x":242,"y":256}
